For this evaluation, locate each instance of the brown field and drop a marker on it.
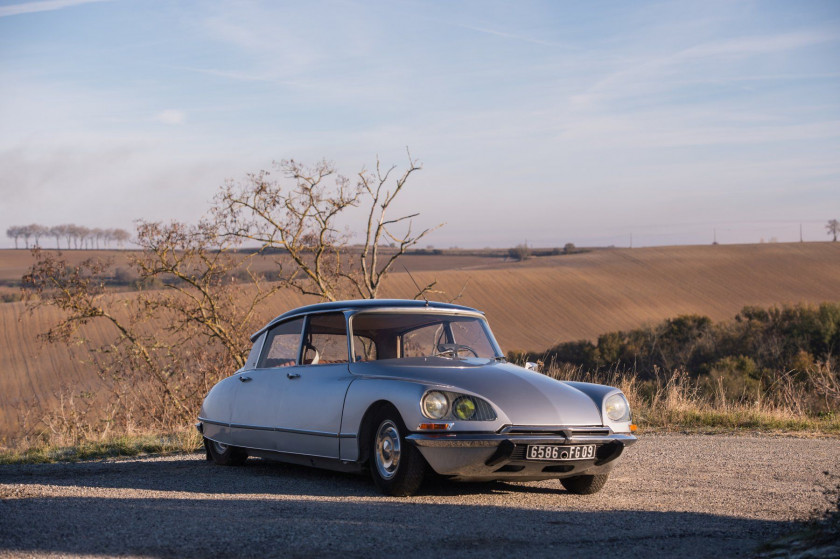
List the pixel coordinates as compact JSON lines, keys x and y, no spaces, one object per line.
{"x":531,"y":305}
{"x":15,"y":263}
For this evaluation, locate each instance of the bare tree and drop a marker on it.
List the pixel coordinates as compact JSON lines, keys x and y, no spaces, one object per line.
{"x":14,"y":232}
{"x":833,"y":227}
{"x":68,"y":231}
{"x":170,"y":345}
{"x":38,"y":231}
{"x":202,"y":296}
{"x":96,"y":235}
{"x":26,"y":232}
{"x":301,"y":216}
{"x":57,"y":232}
{"x":520,"y":252}
{"x":121,"y":236}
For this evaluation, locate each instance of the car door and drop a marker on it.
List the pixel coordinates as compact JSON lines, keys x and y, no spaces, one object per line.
{"x":260,"y":397}
{"x":309,"y":420}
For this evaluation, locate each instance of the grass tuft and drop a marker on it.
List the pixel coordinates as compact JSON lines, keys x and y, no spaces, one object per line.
{"x":113,"y":447}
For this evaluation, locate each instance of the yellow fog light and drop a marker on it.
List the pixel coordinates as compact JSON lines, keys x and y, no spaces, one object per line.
{"x":464,"y":408}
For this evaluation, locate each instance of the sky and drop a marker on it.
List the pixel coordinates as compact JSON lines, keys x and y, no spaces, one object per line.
{"x":597,"y":123}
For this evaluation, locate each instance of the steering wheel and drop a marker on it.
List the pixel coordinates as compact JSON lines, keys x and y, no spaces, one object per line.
{"x":443,"y":350}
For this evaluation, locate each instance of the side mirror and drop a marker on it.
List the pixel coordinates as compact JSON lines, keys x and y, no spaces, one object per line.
{"x":531,"y":366}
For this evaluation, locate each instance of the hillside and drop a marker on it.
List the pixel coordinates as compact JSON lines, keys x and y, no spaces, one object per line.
{"x":531,"y":305}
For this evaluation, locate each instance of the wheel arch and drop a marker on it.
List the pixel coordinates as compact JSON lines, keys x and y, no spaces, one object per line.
{"x":366,"y":426}
{"x":367,"y":396}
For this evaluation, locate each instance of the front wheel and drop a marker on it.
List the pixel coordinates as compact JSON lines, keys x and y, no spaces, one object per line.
{"x":225,"y":455}
{"x":396,"y":465}
{"x":584,"y":485}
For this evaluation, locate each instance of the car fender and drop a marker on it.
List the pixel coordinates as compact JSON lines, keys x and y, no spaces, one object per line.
{"x":599,"y":393}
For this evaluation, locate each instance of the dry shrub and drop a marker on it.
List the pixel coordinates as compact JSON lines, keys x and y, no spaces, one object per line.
{"x":678,"y":401}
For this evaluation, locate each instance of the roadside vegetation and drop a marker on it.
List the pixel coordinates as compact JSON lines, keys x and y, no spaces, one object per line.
{"x":802,"y":401}
{"x":768,"y":368}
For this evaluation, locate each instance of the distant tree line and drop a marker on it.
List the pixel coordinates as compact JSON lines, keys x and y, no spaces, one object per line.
{"x":73,"y":236}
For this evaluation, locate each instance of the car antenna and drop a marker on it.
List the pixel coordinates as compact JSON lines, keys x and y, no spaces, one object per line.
{"x":421,"y":292}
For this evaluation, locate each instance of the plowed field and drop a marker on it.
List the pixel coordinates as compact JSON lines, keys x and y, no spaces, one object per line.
{"x":531,"y":305}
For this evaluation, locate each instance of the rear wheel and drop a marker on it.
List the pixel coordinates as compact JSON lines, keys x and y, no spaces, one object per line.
{"x":584,"y":485}
{"x":225,"y":455}
{"x":396,"y":466}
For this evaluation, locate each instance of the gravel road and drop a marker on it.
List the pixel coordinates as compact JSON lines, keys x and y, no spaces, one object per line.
{"x":672,"y":495}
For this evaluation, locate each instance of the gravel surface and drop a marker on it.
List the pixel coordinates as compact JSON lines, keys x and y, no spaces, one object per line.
{"x":671,"y":495}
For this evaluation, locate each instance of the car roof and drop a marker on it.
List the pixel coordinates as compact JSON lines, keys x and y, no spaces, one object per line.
{"x":362,"y":304}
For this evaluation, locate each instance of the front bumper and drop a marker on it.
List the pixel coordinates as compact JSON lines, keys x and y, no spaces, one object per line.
{"x":501,"y":456}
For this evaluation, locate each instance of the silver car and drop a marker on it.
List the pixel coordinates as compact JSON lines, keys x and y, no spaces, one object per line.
{"x":404,"y":387}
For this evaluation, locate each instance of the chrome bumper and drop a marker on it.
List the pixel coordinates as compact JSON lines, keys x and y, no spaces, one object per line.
{"x":491,"y":440}
{"x":485,"y":456}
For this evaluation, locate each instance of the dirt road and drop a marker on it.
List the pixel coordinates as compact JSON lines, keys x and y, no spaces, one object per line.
{"x":672,"y":496}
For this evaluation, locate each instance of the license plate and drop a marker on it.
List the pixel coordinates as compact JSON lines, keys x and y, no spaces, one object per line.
{"x":554,"y":452}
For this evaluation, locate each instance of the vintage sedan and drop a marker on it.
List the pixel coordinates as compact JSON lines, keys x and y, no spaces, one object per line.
{"x":405,"y":387}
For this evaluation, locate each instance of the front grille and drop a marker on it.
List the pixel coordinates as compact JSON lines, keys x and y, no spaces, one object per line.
{"x":531,"y":431}
{"x":588,"y":431}
{"x":559,"y":431}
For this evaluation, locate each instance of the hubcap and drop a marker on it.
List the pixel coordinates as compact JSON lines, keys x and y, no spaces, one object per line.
{"x":387,"y":451}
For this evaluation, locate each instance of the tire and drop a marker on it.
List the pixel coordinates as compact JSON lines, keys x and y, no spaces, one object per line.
{"x":225,"y":455}
{"x":396,"y":466}
{"x":584,"y":485}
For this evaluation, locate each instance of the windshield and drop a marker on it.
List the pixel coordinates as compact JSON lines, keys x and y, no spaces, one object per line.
{"x":385,"y":335}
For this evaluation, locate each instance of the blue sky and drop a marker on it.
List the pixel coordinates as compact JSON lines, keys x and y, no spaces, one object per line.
{"x":551,"y":122}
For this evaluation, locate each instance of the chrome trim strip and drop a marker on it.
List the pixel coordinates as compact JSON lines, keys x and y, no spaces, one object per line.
{"x":252,"y":427}
{"x":281,"y":452}
{"x":278,"y":429}
{"x":572,"y":429}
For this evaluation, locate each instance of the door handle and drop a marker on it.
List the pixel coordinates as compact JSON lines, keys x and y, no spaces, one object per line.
{"x":292,"y":375}
{"x":243,"y":378}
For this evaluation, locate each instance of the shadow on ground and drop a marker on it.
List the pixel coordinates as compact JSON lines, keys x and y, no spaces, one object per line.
{"x":270,"y":510}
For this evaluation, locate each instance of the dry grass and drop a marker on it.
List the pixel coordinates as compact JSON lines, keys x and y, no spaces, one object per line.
{"x":676,"y":402}
{"x":671,"y":403}
{"x":531,"y":305}
{"x":40,"y":450}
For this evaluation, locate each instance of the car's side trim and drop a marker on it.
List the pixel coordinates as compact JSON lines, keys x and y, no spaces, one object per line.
{"x":211,"y":422}
{"x":251,"y":427}
{"x":279,"y":429}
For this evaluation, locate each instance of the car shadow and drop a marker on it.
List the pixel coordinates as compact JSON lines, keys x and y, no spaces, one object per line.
{"x":184,"y":506}
{"x":304,"y":527}
{"x":257,"y":476}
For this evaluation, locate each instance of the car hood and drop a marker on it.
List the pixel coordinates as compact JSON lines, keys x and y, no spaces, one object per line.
{"x":525,"y":397}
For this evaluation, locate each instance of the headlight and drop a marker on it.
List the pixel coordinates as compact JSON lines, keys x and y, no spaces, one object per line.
{"x":435,"y":405}
{"x":464,"y":408}
{"x":617,"y":408}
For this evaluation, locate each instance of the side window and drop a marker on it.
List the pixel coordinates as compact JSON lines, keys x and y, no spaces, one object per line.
{"x":365,"y":348}
{"x":254,"y":355}
{"x":325,"y":340}
{"x":281,"y":345}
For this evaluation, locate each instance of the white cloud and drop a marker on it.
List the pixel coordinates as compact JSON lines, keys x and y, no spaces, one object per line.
{"x":42,"y":6}
{"x":171,"y":116}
